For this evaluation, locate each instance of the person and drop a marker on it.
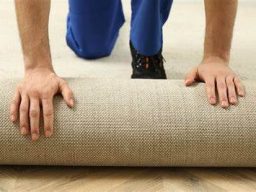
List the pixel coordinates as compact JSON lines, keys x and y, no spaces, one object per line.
{"x":92,"y":30}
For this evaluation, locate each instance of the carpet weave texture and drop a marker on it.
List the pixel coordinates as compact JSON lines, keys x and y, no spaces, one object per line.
{"x":136,"y":123}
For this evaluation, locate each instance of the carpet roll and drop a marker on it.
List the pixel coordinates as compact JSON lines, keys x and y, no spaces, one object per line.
{"x":136,"y":123}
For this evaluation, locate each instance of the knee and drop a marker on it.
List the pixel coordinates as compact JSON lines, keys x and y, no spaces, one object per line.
{"x":87,"y":49}
{"x":92,"y":53}
{"x":88,"y":45}
{"x":91,"y":40}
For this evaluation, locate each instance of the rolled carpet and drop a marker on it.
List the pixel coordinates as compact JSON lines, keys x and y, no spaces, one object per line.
{"x":136,"y":123}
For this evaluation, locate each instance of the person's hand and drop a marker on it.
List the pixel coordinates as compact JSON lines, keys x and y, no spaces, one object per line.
{"x":220,"y":81}
{"x":35,"y":93}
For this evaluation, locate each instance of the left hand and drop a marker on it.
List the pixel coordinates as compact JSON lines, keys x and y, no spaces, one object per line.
{"x":219,"y":80}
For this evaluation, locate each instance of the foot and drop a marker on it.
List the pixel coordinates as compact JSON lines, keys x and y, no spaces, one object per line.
{"x":147,"y":67}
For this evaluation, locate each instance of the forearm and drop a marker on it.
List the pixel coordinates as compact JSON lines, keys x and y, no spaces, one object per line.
{"x":220,"y":19}
{"x":33,"y":19}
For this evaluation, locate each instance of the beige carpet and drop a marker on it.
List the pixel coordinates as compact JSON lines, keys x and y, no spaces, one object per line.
{"x":182,"y":48}
{"x":136,"y":123}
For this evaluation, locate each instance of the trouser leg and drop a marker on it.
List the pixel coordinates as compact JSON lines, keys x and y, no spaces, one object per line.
{"x":148,"y":18}
{"x":93,"y":26}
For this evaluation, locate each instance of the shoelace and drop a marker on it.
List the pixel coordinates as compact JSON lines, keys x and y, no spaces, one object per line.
{"x":146,"y":61}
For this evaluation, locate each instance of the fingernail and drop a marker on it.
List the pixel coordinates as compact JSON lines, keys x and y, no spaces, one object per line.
{"x":48,"y":134}
{"x":212,"y":100}
{"x":23,"y":131}
{"x":72,"y":102}
{"x":12,"y":118}
{"x":35,"y":136}
{"x":224,"y":104}
{"x":233,"y":100}
{"x":242,"y":94}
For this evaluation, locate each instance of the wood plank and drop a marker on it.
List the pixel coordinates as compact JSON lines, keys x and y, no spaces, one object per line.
{"x":112,"y":179}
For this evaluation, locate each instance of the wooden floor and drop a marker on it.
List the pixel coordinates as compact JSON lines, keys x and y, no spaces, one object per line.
{"x":63,"y":179}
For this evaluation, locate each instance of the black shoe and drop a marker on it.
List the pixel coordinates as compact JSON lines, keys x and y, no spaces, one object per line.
{"x":147,"y":67}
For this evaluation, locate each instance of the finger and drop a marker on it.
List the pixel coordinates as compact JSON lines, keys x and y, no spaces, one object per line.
{"x":67,"y":94}
{"x":48,"y":116}
{"x":34,"y":115}
{"x":222,"y":91}
{"x":24,"y":122}
{"x":231,"y":90}
{"x":211,"y":90}
{"x":14,"y":108}
{"x":239,"y":87}
{"x":191,"y":77}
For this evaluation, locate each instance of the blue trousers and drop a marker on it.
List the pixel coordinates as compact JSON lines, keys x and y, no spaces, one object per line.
{"x":93,"y":26}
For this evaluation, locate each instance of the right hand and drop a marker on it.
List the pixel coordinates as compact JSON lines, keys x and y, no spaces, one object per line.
{"x":35,"y":93}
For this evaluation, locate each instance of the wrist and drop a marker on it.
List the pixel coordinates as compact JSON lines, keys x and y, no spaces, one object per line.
{"x":38,"y":57}
{"x":39,"y":71}
{"x":37,"y":61}
{"x":215,"y":59}
{"x":36,"y":65}
{"x":215,"y":54}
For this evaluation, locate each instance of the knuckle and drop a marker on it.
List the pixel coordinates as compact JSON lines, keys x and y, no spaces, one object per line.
{"x":46,"y":95}
{"x":23,"y":109}
{"x":14,"y":102}
{"x":211,"y":97}
{"x":237,"y":80}
{"x":12,"y":113}
{"x":34,"y":113}
{"x":239,"y":87}
{"x":33,"y":93}
{"x":34,"y":130}
{"x":230,"y":81}
{"x":230,"y":84}
{"x":210,"y":93}
{"x":222,"y":86}
{"x":224,"y":99}
{"x":23,"y":124}
{"x":48,"y":128}
{"x":210,"y":84}
{"x":231,"y":96}
{"x":48,"y":113}
{"x":63,"y":84}
{"x":230,"y":78}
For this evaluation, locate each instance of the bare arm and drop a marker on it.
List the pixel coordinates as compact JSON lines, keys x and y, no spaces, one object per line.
{"x":220,"y":19}
{"x":214,"y":69}
{"x":35,"y":93}
{"x":33,"y":19}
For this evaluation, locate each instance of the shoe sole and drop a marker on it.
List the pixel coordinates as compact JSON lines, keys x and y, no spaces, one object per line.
{"x":134,"y":76}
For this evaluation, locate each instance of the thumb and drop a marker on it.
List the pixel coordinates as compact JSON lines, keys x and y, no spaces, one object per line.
{"x":67,"y":94}
{"x":191,"y":77}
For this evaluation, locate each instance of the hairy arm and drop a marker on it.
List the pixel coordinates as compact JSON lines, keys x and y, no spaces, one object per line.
{"x":214,"y":69}
{"x":33,"y":19}
{"x":36,"y":91}
{"x":220,"y":19}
